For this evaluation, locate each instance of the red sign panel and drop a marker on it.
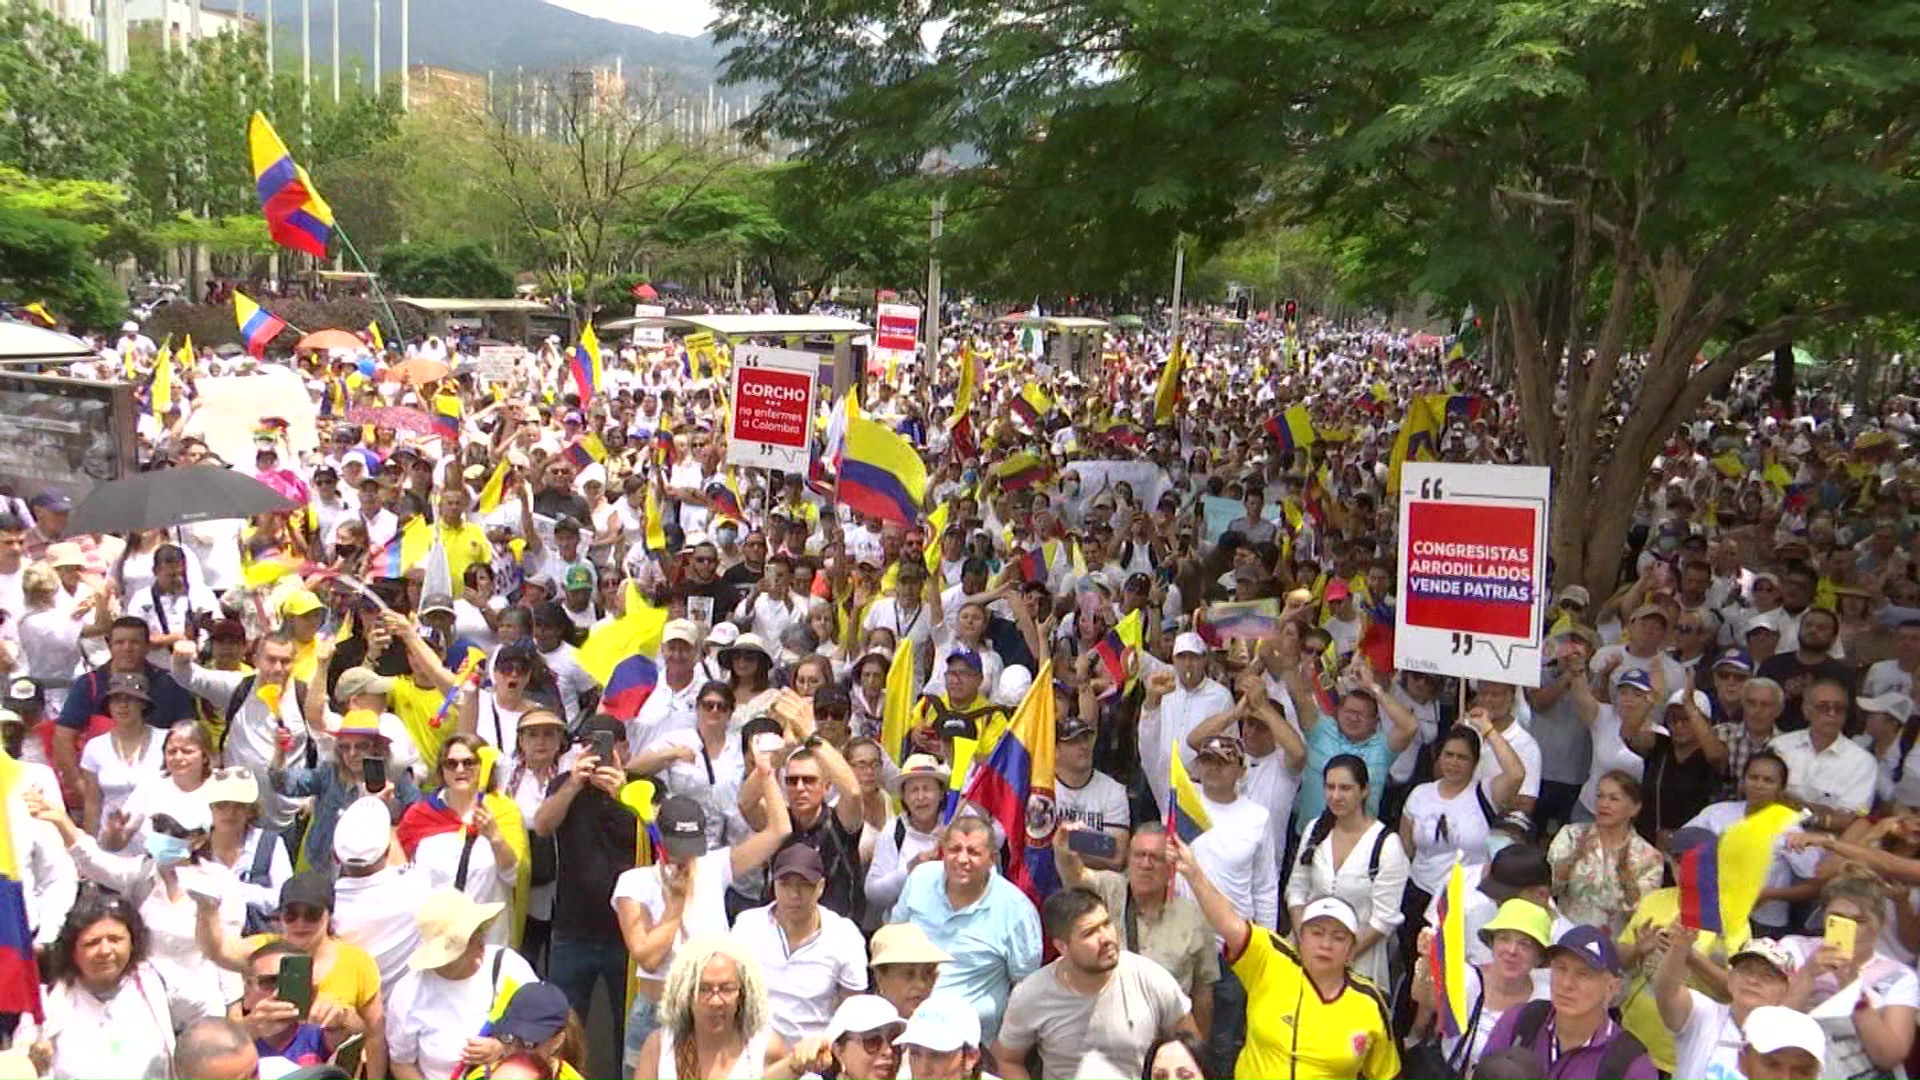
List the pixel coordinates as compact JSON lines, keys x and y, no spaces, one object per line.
{"x":772,"y":406}
{"x":1470,"y":567}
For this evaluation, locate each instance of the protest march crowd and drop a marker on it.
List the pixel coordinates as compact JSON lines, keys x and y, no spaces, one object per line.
{"x":1046,"y":726}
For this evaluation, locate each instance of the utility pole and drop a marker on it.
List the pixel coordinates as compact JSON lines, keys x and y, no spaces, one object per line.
{"x":306,"y":55}
{"x":193,"y":21}
{"x":933,"y":285}
{"x":336,"y":49}
{"x":1179,"y":274}
{"x":377,"y":84}
{"x":406,"y":73}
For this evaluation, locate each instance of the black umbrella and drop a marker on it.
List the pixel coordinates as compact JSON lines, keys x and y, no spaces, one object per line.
{"x":167,"y":497}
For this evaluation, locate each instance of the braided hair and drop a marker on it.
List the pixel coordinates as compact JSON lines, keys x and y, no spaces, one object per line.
{"x":1323,"y":825}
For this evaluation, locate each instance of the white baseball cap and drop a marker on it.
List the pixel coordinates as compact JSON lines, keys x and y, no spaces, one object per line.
{"x":1190,"y":642}
{"x":1331,"y":907}
{"x":1893,"y":703}
{"x":943,"y":1023}
{"x":861,"y":1013}
{"x":1772,"y":1028}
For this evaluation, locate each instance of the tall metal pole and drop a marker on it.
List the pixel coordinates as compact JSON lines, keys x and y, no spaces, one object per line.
{"x":1179,"y":275}
{"x":377,"y":84}
{"x":267,"y":29}
{"x":933,"y":286}
{"x":406,"y":73}
{"x":336,"y":50}
{"x":306,"y":55}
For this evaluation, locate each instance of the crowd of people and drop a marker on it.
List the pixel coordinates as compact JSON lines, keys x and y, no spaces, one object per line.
{"x":347,"y":786}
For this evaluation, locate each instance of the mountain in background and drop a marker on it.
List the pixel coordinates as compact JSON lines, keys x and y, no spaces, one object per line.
{"x":498,"y":35}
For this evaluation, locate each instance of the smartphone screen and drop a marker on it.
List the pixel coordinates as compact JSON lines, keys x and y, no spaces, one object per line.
{"x":1841,"y":933}
{"x":294,"y":984}
{"x":1094,"y":842}
{"x":603,"y":746}
{"x":768,"y":742}
{"x":374,"y":771}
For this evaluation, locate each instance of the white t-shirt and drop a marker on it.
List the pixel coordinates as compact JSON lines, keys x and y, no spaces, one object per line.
{"x":1708,"y":1044}
{"x":1610,"y":752}
{"x":116,"y":775}
{"x":430,"y":1019}
{"x":1525,"y":748}
{"x":487,"y":881}
{"x":1465,"y":831}
{"x":805,"y":981}
{"x":1101,"y":803}
{"x":706,"y":911}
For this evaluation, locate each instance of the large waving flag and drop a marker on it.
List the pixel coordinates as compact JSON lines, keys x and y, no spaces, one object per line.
{"x":1166,"y":396}
{"x":881,"y":474}
{"x":1449,"y":960}
{"x":1419,"y":438}
{"x":19,"y":973}
{"x":1720,"y":880}
{"x":1293,"y":429}
{"x":584,"y":361}
{"x":257,"y":325}
{"x":297,"y":217}
{"x":896,"y":714}
{"x":1018,"y":773}
{"x":1187,"y":815}
{"x":635,"y":632}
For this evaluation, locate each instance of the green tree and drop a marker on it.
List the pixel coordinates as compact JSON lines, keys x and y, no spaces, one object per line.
{"x":43,"y":258}
{"x":61,"y":115}
{"x":1613,"y":184}
{"x":463,"y":270}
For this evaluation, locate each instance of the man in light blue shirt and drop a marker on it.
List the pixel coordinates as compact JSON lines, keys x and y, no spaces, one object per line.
{"x":1354,"y":729}
{"x":979,"y":918}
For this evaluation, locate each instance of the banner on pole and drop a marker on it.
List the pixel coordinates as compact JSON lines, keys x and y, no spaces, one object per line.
{"x":1473,"y":570}
{"x":773,"y":392}
{"x":896,"y":333}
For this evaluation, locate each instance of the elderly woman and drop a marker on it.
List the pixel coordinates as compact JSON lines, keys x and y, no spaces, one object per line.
{"x":50,"y":634}
{"x":108,"y":1012}
{"x":713,"y":1018}
{"x":1519,"y":936}
{"x":188,"y":762}
{"x":335,"y":785}
{"x":471,"y":837}
{"x":859,"y":1042}
{"x":1875,"y":1034}
{"x":1602,"y":868}
{"x":174,"y":857}
{"x":457,"y":979}
{"x":256,"y":856}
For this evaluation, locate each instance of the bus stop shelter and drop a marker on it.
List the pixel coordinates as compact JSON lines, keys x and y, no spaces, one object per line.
{"x":519,"y":321}
{"x":734,"y":328}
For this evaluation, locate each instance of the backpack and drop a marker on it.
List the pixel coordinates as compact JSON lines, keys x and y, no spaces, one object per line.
{"x":1619,"y":1054}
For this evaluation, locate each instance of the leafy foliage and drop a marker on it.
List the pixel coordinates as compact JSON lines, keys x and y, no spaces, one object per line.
{"x":48,"y":259}
{"x":458,"y":270}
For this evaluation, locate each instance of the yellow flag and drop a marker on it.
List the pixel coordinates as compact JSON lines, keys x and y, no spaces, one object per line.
{"x":162,"y":383}
{"x":636,"y":632}
{"x":936,"y":528}
{"x":494,"y":489}
{"x":1166,"y":396}
{"x":656,"y":537}
{"x":896,"y":715}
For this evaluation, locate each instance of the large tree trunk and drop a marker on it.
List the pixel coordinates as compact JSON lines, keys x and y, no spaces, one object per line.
{"x":1783,"y":378}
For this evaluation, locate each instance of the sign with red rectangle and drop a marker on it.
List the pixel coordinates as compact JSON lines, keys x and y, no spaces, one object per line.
{"x":896,"y":331}
{"x":772,"y":417}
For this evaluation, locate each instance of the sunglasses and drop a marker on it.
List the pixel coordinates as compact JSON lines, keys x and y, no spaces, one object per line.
{"x":453,"y":764}
{"x":715,"y":705}
{"x":876,"y":1042}
{"x":301,"y":913}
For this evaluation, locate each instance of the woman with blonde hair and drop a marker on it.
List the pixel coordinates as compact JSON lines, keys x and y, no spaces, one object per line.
{"x":713,"y":1018}
{"x":50,"y":634}
{"x":1874,"y":1035}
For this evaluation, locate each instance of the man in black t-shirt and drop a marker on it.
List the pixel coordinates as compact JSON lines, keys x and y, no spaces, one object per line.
{"x":833,"y":831}
{"x":593,"y":838}
{"x":1808,"y":664}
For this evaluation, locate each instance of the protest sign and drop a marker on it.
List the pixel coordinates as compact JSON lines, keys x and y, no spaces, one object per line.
{"x":1146,"y":480}
{"x":1218,"y":513}
{"x":495,"y":363}
{"x":896,"y":332}
{"x":772,"y":407}
{"x":1473,"y":570}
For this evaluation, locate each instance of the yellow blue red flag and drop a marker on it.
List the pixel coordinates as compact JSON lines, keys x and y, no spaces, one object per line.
{"x":297,"y":217}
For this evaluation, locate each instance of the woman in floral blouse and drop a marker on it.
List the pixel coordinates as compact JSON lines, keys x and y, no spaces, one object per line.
{"x":1601,"y":869}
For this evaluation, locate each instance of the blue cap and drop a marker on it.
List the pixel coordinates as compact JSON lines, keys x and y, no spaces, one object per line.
{"x":52,"y":501}
{"x":536,"y":1012}
{"x":967,"y":657}
{"x":1737,"y":659}
{"x":1639,"y":679}
{"x":1592,"y":945}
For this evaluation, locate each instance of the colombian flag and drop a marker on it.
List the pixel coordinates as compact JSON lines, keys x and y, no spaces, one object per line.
{"x":374,"y":335}
{"x":494,"y":489}
{"x":1166,"y":395}
{"x":1116,"y":649}
{"x":969,"y":384}
{"x":1449,"y":960}
{"x":629,"y":686}
{"x":390,"y":564}
{"x":257,"y":325}
{"x":297,"y":217}
{"x":1244,"y":620}
{"x":1292,"y":430}
{"x":19,"y":973}
{"x":896,"y":714}
{"x":1033,"y":565}
{"x":584,"y":361}
{"x":586,"y":450}
{"x":881,"y":475}
{"x":1021,"y":470}
{"x":1017,"y":770}
{"x":1187,"y":815}
{"x":636,"y":631}
{"x":725,"y":500}
{"x":1720,"y":881}
{"x":1032,"y":406}
{"x":446,"y":418}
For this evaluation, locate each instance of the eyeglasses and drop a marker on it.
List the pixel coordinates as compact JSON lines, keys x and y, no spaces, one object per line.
{"x":300,"y":913}
{"x":461,"y":764}
{"x":802,"y":781}
{"x":720,"y":991}
{"x":714,"y":705}
{"x":877,"y":1042}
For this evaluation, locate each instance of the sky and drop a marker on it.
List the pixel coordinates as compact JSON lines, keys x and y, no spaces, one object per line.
{"x":688,"y":17}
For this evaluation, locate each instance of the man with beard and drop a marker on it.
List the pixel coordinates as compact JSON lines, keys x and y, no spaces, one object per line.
{"x":1797,"y":670}
{"x":1096,"y":998}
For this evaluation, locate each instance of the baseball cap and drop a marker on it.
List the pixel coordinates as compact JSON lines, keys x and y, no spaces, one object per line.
{"x":683,"y":827}
{"x":943,"y":1023}
{"x":131,"y":683}
{"x":300,"y":602}
{"x":310,"y":888}
{"x":861,"y":1013}
{"x":1645,"y":610}
{"x":1190,"y":642}
{"x":24,"y":694}
{"x":360,"y":680}
{"x":1338,"y":590}
{"x":1700,"y":701}
{"x":680,"y":630}
{"x":231,"y":784}
{"x":1222,"y":746}
{"x":1071,"y":727}
{"x":1770,"y":621}
{"x":1772,"y":1028}
{"x":1516,"y":868}
{"x":433,"y":602}
{"x":1782,"y":959}
{"x":536,"y":1012}
{"x":1576,"y":594}
{"x":1592,"y":945}
{"x":1331,"y":907}
{"x":904,"y":943}
{"x":724,"y":635}
{"x":361,"y":836}
{"x":965,"y":656}
{"x":1639,"y":679}
{"x":1737,"y":659}
{"x":579,"y":577}
{"x":1893,"y":703}
{"x":51,"y":500}
{"x":799,"y":860}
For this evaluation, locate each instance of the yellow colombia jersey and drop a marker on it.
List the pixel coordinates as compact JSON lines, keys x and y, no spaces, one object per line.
{"x":1291,"y":1032}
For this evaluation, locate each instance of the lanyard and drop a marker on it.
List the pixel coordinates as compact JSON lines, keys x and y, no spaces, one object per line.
{"x":900,"y":633}
{"x":707,"y":758}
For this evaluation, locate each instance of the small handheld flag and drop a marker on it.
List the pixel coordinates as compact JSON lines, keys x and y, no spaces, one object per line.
{"x":257,"y":325}
{"x":1449,"y":960}
{"x":1187,"y":815}
{"x":629,"y":686}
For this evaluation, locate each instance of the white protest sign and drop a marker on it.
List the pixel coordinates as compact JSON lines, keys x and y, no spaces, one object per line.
{"x":496,"y":363}
{"x":1147,"y":480}
{"x":773,"y":391}
{"x":1473,"y":570}
{"x":649,"y":335}
{"x":896,"y":332}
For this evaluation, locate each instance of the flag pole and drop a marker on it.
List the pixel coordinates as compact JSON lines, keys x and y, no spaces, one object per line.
{"x":373,"y":279}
